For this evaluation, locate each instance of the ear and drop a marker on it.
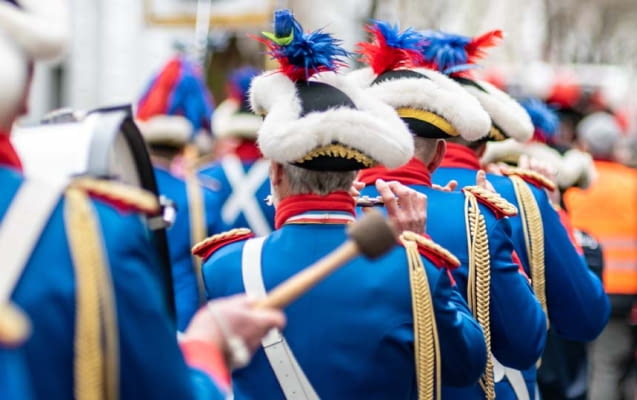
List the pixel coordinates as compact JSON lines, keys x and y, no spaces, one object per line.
{"x":439,"y":155}
{"x":481,"y":150}
{"x":276,"y":173}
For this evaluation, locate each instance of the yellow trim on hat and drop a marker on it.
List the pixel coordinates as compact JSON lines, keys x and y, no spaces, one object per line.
{"x":429,"y":117}
{"x":338,"y":150}
{"x":496,"y":134}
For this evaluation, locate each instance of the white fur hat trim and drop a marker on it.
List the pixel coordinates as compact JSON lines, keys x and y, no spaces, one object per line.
{"x":173,"y":130}
{"x":504,"y":111}
{"x":373,"y":128}
{"x":40,"y":28}
{"x":228,"y":122}
{"x":439,"y":95}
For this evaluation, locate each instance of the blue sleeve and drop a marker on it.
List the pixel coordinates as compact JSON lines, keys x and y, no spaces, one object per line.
{"x":518,"y":324}
{"x":15,"y":382}
{"x":152,"y":365}
{"x":462,"y":344}
{"x":578,"y":306}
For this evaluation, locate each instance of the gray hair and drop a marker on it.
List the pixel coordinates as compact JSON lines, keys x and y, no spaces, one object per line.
{"x":305,"y":181}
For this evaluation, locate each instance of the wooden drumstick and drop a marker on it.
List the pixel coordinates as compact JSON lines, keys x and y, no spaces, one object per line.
{"x":371,"y":236}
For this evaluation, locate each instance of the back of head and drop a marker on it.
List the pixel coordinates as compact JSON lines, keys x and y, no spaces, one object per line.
{"x":30,"y":30}
{"x":599,"y":133}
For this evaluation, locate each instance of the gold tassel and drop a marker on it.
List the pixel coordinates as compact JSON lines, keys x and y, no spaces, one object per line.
{"x":479,"y":282}
{"x":198,"y":231}
{"x":96,"y":343}
{"x":426,"y":343}
{"x":533,"y":238}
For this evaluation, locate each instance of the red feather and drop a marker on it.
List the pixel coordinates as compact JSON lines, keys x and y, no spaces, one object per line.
{"x":382,"y":58}
{"x":476,"y":48}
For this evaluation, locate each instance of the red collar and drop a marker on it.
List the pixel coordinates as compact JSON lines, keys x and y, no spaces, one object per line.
{"x":415,"y":172}
{"x":459,"y":156}
{"x":8,"y":156}
{"x":300,"y":203}
{"x":247,"y":150}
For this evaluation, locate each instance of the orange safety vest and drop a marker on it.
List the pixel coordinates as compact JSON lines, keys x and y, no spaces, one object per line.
{"x":608,"y":211}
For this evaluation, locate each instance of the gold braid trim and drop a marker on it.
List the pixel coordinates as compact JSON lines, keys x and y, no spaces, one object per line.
{"x":426,"y":342}
{"x":479,"y":282}
{"x":428,"y":117}
{"x":492,"y":199}
{"x":220,"y":237}
{"x":496,"y":135}
{"x":433,"y":247}
{"x":531,"y":177}
{"x":533,"y":237}
{"x":339,"y":151}
{"x":140,"y":199}
{"x":198,"y":230}
{"x":96,"y":360}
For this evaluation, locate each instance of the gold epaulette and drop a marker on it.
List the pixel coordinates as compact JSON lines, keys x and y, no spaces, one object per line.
{"x":207,"y":247}
{"x":531,"y":177}
{"x":498,"y":204}
{"x":120,"y":195}
{"x":431,"y":250}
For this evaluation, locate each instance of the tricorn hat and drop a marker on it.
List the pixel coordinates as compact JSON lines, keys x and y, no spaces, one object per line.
{"x":432,"y":105}
{"x":456,"y":56}
{"x":315,"y":118}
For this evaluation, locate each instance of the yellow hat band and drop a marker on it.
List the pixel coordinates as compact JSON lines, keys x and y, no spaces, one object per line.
{"x":428,"y":117}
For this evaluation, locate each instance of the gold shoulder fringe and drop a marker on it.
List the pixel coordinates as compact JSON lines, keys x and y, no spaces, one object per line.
{"x":131,"y":196}
{"x":431,"y":246}
{"x":493,"y":199}
{"x":528,"y":175}
{"x":220,"y":238}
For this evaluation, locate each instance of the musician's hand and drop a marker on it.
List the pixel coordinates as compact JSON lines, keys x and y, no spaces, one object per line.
{"x":355,"y":190}
{"x":544,"y":169}
{"x":406,"y":208}
{"x":233,"y":316}
{"x":449,"y":187}
{"x":483,"y":182}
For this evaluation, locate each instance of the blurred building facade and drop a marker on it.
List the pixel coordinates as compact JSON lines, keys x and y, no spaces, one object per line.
{"x":117,"y":44}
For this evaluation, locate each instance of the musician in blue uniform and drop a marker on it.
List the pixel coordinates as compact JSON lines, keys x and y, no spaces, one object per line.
{"x":240,"y":178}
{"x":353,"y":335}
{"x":169,"y":115}
{"x":573,"y":296}
{"x":435,"y":108}
{"x":86,"y":280}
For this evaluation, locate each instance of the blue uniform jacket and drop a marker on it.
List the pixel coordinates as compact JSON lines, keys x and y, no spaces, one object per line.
{"x":151,"y":364}
{"x":577,"y":304}
{"x":352,"y":334}
{"x":518,"y":327}
{"x":253,"y":212}
{"x":180,"y":241}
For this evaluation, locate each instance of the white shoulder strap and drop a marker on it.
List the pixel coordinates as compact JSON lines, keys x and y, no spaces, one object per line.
{"x":291,"y":377}
{"x":515,"y":378}
{"x":21,"y":228}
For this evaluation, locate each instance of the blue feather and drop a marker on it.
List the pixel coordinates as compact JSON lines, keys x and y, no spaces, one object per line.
{"x":544,"y":118}
{"x":409,"y":39}
{"x":301,"y":55}
{"x":285,"y":24}
{"x":446,"y":50}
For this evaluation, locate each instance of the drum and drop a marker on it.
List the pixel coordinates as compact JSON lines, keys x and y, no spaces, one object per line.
{"x":103,"y":143}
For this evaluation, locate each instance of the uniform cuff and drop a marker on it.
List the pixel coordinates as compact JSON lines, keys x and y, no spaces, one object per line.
{"x":207,"y":357}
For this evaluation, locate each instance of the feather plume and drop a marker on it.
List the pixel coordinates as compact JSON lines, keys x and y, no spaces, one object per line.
{"x":178,"y":89}
{"x":301,"y":55}
{"x":544,"y":118}
{"x":390,"y":49}
{"x":239,"y":83}
{"x":454,"y":54}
